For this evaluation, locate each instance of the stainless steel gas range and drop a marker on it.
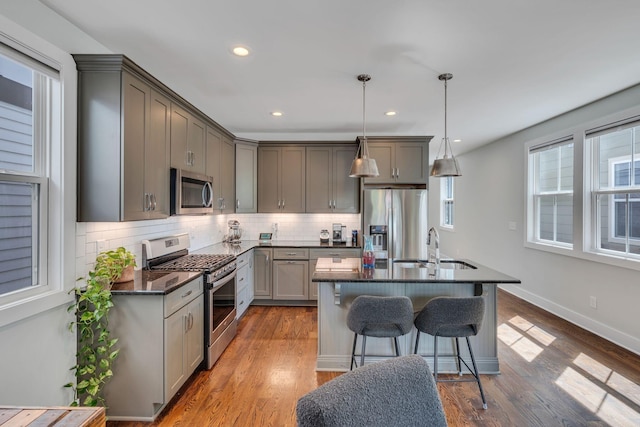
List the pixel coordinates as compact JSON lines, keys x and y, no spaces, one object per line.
{"x":219,"y":271}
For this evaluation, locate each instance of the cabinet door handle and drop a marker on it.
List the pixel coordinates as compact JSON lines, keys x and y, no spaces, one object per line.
{"x":155,"y":202}
{"x":267,"y":260}
{"x":241,"y":279}
{"x":237,"y":203}
{"x":279,"y":204}
{"x":186,"y":322}
{"x":147,"y":202}
{"x":282,"y":203}
{"x":330,"y":204}
{"x":397,"y":172}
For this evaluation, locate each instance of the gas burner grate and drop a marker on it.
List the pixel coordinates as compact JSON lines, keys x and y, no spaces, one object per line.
{"x":196,"y":263}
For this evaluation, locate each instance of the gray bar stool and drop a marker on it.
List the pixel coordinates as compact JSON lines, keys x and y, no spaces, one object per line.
{"x":376,"y":316}
{"x":452,"y":317}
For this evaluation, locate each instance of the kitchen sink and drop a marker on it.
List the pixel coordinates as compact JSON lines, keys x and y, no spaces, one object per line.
{"x":449,"y":264}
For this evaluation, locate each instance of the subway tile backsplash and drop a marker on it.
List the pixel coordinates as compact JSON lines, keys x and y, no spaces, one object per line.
{"x":203,"y":231}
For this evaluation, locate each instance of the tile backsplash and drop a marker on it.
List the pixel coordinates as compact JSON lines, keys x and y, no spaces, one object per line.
{"x":93,"y":237}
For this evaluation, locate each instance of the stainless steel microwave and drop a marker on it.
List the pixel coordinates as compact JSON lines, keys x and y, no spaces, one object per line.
{"x":191,"y":193}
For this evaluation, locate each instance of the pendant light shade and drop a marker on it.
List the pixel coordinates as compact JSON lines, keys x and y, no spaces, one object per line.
{"x":363,"y":166}
{"x":447,"y":165}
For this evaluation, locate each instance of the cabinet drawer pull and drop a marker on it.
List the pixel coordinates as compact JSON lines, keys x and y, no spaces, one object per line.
{"x":334,"y":255}
{"x":241,"y":279}
{"x":291,"y":262}
{"x":187,"y":294}
{"x":292,"y":253}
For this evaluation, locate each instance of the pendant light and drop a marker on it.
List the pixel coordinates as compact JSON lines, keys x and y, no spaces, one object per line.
{"x":447,"y":165}
{"x":363,"y":166}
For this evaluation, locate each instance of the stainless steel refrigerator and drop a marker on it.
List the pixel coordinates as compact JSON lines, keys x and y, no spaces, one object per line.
{"x":396,"y":219}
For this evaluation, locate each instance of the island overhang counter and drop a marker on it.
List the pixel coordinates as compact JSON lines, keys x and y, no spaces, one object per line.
{"x":341,"y":282}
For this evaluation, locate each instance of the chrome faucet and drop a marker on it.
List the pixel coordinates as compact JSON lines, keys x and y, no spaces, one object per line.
{"x":437,"y":244}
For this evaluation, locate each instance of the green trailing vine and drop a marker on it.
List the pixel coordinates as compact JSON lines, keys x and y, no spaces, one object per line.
{"x":96,"y":348}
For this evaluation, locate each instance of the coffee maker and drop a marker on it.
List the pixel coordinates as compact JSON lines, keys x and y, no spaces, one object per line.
{"x":339,"y":234}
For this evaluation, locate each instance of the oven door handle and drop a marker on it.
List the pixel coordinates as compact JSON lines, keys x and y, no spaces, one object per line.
{"x":226,"y":279}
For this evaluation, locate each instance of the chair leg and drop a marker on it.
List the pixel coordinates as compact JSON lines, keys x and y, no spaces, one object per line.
{"x":353,"y":352}
{"x":364,"y":345}
{"x":458,"y":357}
{"x":415,"y":350}
{"x":435,"y":357}
{"x":477,"y":375}
{"x":395,"y":342}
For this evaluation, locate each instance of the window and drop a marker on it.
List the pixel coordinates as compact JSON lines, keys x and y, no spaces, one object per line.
{"x":446,"y":202}
{"x":615,"y":195}
{"x":28,"y":92}
{"x":550,"y":195}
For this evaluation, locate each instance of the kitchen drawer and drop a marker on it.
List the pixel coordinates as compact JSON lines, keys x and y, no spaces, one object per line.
{"x":182,"y":296}
{"x":334,"y":253}
{"x":290,"y":253}
{"x":244,"y":299}
{"x":242,"y":276}
{"x":243,"y":259}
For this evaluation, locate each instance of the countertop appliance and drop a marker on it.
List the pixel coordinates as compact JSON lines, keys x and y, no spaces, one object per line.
{"x":235,"y":232}
{"x":219,"y":271}
{"x":191,"y":193}
{"x":396,"y":219}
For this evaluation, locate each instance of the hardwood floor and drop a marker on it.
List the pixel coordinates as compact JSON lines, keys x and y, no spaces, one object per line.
{"x":553,"y":374}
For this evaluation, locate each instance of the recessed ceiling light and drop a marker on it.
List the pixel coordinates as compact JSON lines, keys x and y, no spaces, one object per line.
{"x":457,"y":140}
{"x":390,"y":113}
{"x":276,"y":113}
{"x":240,"y":51}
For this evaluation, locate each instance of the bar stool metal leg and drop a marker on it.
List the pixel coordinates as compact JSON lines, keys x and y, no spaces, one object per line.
{"x":353,"y":352}
{"x":475,"y":369}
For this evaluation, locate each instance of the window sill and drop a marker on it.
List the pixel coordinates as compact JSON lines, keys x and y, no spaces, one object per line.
{"x":20,"y":310}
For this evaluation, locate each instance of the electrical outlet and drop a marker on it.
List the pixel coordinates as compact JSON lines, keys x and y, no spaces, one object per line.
{"x":512,"y":225}
{"x":593,"y":302}
{"x":101,"y":246}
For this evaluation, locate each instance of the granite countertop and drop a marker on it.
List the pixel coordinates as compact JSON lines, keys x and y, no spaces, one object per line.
{"x":153,"y":282}
{"x":247,"y":245}
{"x":388,"y":272}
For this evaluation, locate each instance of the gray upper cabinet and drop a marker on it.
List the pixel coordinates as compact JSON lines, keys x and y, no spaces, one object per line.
{"x":281,"y":179}
{"x":123,"y":142}
{"x":187,"y":140}
{"x":246,"y":177}
{"x":220,"y":164}
{"x":400,"y":160}
{"x":329,"y":189}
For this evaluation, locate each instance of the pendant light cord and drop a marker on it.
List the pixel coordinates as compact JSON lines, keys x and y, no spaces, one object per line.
{"x":365,"y":149}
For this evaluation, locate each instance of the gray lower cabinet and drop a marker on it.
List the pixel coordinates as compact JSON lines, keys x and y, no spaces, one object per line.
{"x":161,"y":342}
{"x":244,"y":280}
{"x":400,"y":160}
{"x":123,"y":142}
{"x":262,"y":267}
{"x":316,"y":253}
{"x":329,"y":188}
{"x":281,"y":179}
{"x":290,"y":274}
{"x":246,"y":177}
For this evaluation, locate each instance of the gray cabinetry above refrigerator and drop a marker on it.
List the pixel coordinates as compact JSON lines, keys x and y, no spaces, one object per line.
{"x":400,"y":160}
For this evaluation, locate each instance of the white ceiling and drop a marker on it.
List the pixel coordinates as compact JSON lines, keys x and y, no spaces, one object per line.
{"x":515,"y":63}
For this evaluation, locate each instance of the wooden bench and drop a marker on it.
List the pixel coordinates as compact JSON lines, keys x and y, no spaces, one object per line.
{"x":52,"y":416}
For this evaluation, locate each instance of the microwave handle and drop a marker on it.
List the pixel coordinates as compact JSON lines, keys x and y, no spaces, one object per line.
{"x":207,"y":202}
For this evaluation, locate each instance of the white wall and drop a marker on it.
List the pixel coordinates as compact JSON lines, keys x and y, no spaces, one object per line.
{"x":491,"y":193}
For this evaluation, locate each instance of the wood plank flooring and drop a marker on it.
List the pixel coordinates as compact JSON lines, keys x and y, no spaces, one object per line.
{"x":553,"y":374}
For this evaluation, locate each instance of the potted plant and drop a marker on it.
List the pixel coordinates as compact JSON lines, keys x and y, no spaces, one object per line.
{"x":96,"y":348}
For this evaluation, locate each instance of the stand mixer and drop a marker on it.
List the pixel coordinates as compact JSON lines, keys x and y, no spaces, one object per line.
{"x":235,"y":232}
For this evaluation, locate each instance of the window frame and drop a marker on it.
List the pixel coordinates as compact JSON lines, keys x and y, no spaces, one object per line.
{"x":533,"y":197}
{"x":446,"y":183}
{"x":57,"y":200}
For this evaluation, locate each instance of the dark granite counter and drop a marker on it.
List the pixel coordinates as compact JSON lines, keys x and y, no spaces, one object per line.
{"x":390,"y":272}
{"x":148,"y":282}
{"x":247,"y":245}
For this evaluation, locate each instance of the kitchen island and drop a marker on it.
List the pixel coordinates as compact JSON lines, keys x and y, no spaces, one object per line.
{"x":340,"y":283}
